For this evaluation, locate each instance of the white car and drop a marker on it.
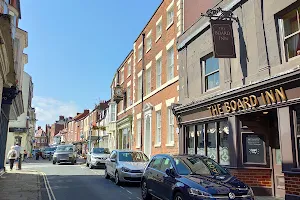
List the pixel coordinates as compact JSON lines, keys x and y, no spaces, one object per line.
{"x":97,"y":157}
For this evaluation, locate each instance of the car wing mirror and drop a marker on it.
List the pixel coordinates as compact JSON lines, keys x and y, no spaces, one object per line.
{"x":113,"y":160}
{"x":170,"y":172}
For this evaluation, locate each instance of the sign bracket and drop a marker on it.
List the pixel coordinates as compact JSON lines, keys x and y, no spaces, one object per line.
{"x":219,"y":14}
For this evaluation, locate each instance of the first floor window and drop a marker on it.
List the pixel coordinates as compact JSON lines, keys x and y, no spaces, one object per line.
{"x":291,"y":32}
{"x":211,"y":72}
{"x":170,"y":64}
{"x":139,"y":133}
{"x":170,"y":126}
{"x":158,"y":73}
{"x":158,"y":127}
{"x":139,"y":93}
{"x":148,"y":81}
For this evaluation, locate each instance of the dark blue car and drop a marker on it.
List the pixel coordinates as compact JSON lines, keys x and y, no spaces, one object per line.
{"x":186,"y":177}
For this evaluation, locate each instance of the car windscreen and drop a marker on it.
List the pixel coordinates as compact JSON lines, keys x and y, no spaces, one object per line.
{"x":64,"y":148}
{"x":49,"y":149}
{"x":133,"y":157}
{"x":101,"y":150}
{"x":198,"y":165}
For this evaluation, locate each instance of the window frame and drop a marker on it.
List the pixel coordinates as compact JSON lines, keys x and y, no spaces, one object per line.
{"x":140,"y":53}
{"x":171,"y":134}
{"x":128,"y":96}
{"x":158,"y":75}
{"x":113,"y":106}
{"x":205,"y":76}
{"x":158,"y":128}
{"x":158,"y":33}
{"x":170,"y":9}
{"x":140,"y":85}
{"x":148,"y":81}
{"x":138,"y":133}
{"x":149,"y":41}
{"x":170,"y":66}
{"x":129,"y":68}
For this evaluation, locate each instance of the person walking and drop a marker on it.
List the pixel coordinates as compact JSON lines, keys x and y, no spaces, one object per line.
{"x":18,"y":149}
{"x":25,"y":154}
{"x":12,"y":156}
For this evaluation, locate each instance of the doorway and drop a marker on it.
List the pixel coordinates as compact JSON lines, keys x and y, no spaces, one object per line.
{"x":147,"y":138}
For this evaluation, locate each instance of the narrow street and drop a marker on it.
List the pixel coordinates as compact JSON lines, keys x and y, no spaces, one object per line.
{"x":77,"y":182}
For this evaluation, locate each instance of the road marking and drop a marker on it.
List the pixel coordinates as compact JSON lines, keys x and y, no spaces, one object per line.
{"x":49,"y":196}
{"x":139,"y":198}
{"x":122,"y":187}
{"x":48,"y":187}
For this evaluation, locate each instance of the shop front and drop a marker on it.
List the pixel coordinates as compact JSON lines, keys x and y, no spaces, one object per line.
{"x":253,"y":131}
{"x":124,"y":133}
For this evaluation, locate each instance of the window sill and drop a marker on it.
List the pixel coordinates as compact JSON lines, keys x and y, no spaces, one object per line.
{"x":158,"y":38}
{"x":148,"y":50}
{"x":170,"y":25}
{"x":139,"y":60}
{"x":212,"y":89}
{"x":157,"y":145}
{"x":137,"y":147}
{"x":172,"y":144}
{"x":128,"y":75}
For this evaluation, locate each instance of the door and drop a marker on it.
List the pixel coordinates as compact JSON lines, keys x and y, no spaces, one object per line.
{"x":154,"y":168}
{"x":165,"y":182}
{"x":147,"y":138}
{"x":109,"y":163}
{"x":278,"y":176}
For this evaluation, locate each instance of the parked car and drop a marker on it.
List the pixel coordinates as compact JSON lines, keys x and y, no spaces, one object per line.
{"x":48,"y":151}
{"x":190,"y":177}
{"x":97,"y":157}
{"x":65,"y":154}
{"x":125,"y":166}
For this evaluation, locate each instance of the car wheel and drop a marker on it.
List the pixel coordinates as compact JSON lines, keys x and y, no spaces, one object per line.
{"x":178,"y":196}
{"x":145,"y":193}
{"x":117,"y":179}
{"x":54,"y":162}
{"x":75,"y":161}
{"x":87,"y":164}
{"x":106,"y":174}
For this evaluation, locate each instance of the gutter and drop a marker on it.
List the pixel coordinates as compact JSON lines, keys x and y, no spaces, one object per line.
{"x":184,"y":43}
{"x":142,"y":103}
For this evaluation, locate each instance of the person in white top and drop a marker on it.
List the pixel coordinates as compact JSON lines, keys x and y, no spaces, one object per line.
{"x":18,"y":150}
{"x":12,"y":155}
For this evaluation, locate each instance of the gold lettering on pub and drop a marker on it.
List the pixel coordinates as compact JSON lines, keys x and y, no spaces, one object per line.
{"x":250,"y":102}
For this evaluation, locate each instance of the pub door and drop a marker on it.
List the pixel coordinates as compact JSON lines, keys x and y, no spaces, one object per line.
{"x":278,"y":176}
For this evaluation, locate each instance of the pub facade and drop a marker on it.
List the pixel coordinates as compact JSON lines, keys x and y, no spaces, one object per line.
{"x":239,"y":97}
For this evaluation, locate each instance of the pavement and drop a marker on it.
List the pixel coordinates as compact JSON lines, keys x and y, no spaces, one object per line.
{"x":41,"y":180}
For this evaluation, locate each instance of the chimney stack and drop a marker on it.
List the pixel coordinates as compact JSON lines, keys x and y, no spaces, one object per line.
{"x":39,"y":127}
{"x":61,"y":118}
{"x":86,"y":111}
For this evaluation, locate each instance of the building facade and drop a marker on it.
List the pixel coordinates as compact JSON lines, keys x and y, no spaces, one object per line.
{"x":20,"y":130}
{"x":40,"y":139}
{"x":54,"y":130}
{"x":243,"y":112}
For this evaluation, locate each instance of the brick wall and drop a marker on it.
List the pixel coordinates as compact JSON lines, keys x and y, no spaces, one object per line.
{"x":254,"y":177}
{"x":292,"y":184}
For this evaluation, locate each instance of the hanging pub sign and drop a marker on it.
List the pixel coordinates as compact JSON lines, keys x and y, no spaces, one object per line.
{"x":223,"y":39}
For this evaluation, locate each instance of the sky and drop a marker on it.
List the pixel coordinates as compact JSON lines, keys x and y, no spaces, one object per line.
{"x":74,"y":49}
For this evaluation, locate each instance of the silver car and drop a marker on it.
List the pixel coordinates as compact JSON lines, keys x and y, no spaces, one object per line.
{"x":125,"y":166}
{"x":65,"y":154}
{"x":97,"y":157}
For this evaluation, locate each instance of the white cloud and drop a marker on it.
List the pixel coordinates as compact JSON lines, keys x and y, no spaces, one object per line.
{"x":48,"y":109}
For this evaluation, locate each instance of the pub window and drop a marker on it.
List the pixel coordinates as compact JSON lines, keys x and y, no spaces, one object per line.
{"x":200,"y":140}
{"x":224,"y":144}
{"x":211,"y":72}
{"x":254,"y":150}
{"x":191,"y":140}
{"x":211,"y":141}
{"x":291,"y":31}
{"x":298,"y":133}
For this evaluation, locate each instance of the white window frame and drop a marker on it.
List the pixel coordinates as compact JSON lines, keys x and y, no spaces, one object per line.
{"x":170,"y":66}
{"x":140,"y":52}
{"x":140,"y":85}
{"x":148,"y":41}
{"x":170,"y":128}
{"x":121,"y":105}
{"x":148,"y":81}
{"x":113,"y":115}
{"x":129,"y":68}
{"x":203,"y":63}
{"x":158,"y":72}
{"x":138,"y":133}
{"x":158,"y":33}
{"x":158,"y":128}
{"x":128,"y":95}
{"x":170,"y":9}
{"x":122,"y":75}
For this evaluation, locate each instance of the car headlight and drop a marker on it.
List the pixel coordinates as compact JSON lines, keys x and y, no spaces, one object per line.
{"x":124,"y":169}
{"x":54,"y":155}
{"x":70,"y":155}
{"x":250,"y":192}
{"x":199,"y":193}
{"x":93,"y":157}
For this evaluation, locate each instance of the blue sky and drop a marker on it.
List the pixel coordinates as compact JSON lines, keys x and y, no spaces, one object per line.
{"x":74,"y":48}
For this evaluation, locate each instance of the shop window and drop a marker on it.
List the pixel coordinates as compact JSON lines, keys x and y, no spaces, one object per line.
{"x":211,"y":141}
{"x":211,"y":72}
{"x":200,"y":140}
{"x":291,"y":31}
{"x":191,"y":140}
{"x":254,"y":150}
{"x":224,"y":144}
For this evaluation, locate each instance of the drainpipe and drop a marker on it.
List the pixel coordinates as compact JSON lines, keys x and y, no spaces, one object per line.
{"x":142,"y":104}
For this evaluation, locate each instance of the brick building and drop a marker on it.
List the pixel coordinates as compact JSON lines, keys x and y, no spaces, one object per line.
{"x":40,"y":139}
{"x":244,"y":112}
{"x":55,"y":128}
{"x":75,"y":127}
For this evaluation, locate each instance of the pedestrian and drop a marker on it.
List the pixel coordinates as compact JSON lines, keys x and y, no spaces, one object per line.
{"x":12,"y":156}
{"x":25,"y":154}
{"x":18,"y":149}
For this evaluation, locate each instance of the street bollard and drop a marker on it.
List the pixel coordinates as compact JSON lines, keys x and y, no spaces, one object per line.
{"x":19,"y":163}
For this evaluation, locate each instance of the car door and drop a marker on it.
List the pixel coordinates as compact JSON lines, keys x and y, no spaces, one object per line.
{"x":114,"y":164}
{"x":166,"y":182}
{"x":154,"y":167}
{"x":109,"y":163}
{"x":88,"y":157}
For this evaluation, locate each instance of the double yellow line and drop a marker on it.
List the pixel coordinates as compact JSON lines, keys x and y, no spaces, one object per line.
{"x":48,"y":187}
